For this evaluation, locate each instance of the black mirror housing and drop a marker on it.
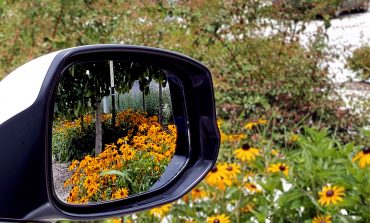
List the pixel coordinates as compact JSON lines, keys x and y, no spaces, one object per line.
{"x":25,"y":138}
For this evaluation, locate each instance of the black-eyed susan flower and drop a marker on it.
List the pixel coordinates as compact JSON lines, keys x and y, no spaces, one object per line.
{"x":73,"y":165}
{"x":231,"y":169}
{"x":250,"y":125}
{"x":252,"y":188}
{"x":279,"y":168}
{"x":363,"y":156}
{"x":246,"y":153}
{"x":331,"y":195}
{"x":262,"y":121}
{"x":128,"y":154}
{"x":198,"y":193}
{"x":322,"y":219}
{"x":222,"y":218}
{"x":294,"y":138}
{"x":247,"y":208}
{"x":160,"y":211}
{"x":121,"y":193}
{"x":92,"y":189}
{"x":217,"y":177}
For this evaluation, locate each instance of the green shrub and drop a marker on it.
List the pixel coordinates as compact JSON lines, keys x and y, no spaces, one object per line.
{"x":360,"y":62}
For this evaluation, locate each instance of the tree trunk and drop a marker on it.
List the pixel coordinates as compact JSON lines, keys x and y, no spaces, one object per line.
{"x":112,"y":88}
{"x":160,"y":116}
{"x":113,"y":109}
{"x":98,"y":129}
{"x":143,"y":101}
{"x":82,"y":122}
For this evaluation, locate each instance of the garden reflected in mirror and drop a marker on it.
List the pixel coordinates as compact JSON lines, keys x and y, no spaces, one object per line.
{"x":113,"y":133}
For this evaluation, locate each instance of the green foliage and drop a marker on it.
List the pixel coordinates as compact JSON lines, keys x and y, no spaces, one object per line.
{"x":306,"y":9}
{"x":360,"y":62}
{"x":314,"y":159}
{"x":73,"y":143}
{"x":73,"y":140}
{"x":139,"y":174}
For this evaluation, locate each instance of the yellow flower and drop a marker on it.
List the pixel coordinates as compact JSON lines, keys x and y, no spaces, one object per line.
{"x":161,"y":211}
{"x":330,"y":195}
{"x":121,"y":193}
{"x":128,"y":154}
{"x":143,"y":127}
{"x":231,"y":169}
{"x":294,"y":138}
{"x":279,"y":167}
{"x":246,"y":153}
{"x":363,"y":156}
{"x":218,"y":219}
{"x":92,"y":189}
{"x":274,"y":152}
{"x":250,"y":125}
{"x":322,"y":219}
{"x":117,"y":220}
{"x":110,"y":146}
{"x":262,"y":121}
{"x":251,"y":187}
{"x":88,"y":181}
{"x":198,"y":193}
{"x":247,"y":209}
{"x":73,"y":165}
{"x":217,"y":177}
{"x":122,"y":140}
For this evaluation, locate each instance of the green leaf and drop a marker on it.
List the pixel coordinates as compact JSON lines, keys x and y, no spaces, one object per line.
{"x":115,"y":172}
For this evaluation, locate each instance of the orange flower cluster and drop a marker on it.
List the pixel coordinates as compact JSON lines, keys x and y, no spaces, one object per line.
{"x":152,"y":142}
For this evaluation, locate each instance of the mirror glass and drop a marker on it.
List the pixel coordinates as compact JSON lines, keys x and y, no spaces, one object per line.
{"x":113,"y":132}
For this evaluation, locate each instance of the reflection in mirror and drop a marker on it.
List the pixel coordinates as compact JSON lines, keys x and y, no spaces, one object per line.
{"x":113,"y":132}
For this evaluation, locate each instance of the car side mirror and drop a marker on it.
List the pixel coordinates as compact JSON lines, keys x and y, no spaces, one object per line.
{"x":103,"y":130}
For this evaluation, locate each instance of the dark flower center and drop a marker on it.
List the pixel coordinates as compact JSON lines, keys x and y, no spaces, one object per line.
{"x":246,"y":146}
{"x":229,"y":168}
{"x":282,"y":167}
{"x":329,"y":193}
{"x":214,"y":169}
{"x":197,"y":190}
{"x":216,"y":221}
{"x":253,"y":186}
{"x":366,"y":150}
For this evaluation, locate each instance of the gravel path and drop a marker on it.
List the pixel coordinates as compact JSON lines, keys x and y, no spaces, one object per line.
{"x":60,"y":175}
